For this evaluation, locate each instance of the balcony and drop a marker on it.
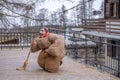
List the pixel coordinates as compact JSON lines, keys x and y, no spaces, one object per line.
{"x":69,"y":70}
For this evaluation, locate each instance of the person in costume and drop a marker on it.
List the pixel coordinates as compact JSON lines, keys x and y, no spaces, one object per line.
{"x":52,"y":50}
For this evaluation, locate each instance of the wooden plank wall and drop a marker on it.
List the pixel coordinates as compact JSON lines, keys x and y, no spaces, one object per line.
{"x":107,"y":8}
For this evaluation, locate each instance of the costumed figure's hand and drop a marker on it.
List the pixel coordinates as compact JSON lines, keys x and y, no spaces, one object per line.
{"x":35,"y":41}
{"x":34,"y":45}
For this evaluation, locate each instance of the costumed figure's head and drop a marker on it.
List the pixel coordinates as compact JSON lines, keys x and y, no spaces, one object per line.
{"x":44,"y":32}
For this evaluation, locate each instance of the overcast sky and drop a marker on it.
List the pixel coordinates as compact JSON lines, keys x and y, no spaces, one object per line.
{"x":53,"y":5}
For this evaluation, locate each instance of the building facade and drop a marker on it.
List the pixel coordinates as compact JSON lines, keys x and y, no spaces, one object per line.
{"x":112,"y":9}
{"x":112,"y":12}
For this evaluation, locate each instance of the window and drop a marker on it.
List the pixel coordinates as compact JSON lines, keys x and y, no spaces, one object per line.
{"x":114,"y":9}
{"x":111,"y":9}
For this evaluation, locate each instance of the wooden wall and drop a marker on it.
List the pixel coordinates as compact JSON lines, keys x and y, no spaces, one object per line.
{"x":107,"y":4}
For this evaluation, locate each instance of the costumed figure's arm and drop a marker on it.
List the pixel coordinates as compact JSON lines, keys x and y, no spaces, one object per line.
{"x":41,"y":42}
{"x":34,"y":46}
{"x":56,"y":48}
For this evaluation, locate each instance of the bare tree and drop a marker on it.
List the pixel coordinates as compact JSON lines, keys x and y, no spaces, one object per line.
{"x":15,"y":12}
{"x":102,"y":9}
{"x":54,"y":18}
{"x":43,"y":13}
{"x":63,"y":17}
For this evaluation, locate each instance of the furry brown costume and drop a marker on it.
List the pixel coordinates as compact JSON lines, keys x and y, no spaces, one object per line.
{"x":52,"y":53}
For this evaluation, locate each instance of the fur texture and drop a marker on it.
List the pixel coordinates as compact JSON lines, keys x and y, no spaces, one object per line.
{"x":52,"y":53}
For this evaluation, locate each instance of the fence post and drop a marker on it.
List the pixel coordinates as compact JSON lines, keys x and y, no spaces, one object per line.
{"x":86,"y":49}
{"x":1,"y":39}
{"x":119,"y":63}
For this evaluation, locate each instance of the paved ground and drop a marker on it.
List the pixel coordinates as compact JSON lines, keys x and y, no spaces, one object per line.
{"x":70,"y":70}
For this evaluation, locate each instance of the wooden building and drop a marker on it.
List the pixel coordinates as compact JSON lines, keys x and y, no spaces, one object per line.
{"x":112,"y":12}
{"x":112,"y":9}
{"x":108,"y":29}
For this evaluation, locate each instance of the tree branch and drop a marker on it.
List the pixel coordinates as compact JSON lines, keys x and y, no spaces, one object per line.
{"x":24,"y":15}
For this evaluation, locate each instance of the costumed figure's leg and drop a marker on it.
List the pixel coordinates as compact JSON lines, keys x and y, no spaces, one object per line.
{"x":41,"y":59}
{"x":52,"y":63}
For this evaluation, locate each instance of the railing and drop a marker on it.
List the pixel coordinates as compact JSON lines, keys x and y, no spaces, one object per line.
{"x":16,"y":39}
{"x":84,"y":49}
{"x":92,"y":51}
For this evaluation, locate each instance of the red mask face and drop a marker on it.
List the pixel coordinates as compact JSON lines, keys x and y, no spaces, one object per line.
{"x":46,"y":31}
